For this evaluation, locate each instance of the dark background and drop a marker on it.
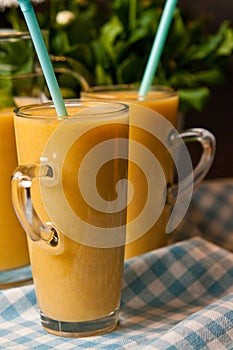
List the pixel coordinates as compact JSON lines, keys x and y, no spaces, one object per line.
{"x":218,"y":115}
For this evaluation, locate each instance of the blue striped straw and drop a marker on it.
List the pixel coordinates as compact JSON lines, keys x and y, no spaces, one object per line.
{"x":43,"y":56}
{"x":157,"y":47}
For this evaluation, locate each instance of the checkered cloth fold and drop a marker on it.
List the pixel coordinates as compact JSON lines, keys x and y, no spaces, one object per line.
{"x":177,"y":297}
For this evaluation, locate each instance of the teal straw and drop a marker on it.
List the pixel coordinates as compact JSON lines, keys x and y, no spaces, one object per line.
{"x":157,"y":47}
{"x":43,"y":56}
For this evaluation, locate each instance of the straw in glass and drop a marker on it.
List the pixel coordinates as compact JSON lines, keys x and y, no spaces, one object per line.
{"x":43,"y":56}
{"x":157,"y":47}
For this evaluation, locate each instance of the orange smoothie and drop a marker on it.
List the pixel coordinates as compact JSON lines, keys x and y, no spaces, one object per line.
{"x":13,"y":242}
{"x":74,"y":282}
{"x":165,"y":101}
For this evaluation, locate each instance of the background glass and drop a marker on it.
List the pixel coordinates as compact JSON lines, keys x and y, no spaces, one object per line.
{"x":20,"y":83}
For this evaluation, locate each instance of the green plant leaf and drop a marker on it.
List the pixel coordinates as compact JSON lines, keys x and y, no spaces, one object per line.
{"x":226,"y":46}
{"x":187,"y":79}
{"x":6,"y":99}
{"x":111,"y":30}
{"x":102,"y":78}
{"x":213,"y":44}
{"x":126,"y":70}
{"x":194,"y":98}
{"x":210,"y":77}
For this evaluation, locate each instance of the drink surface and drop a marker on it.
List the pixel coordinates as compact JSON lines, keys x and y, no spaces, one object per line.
{"x":166,"y":103}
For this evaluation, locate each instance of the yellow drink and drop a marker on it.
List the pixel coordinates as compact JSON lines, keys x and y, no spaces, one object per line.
{"x":74,"y":282}
{"x":13,"y":243}
{"x":165,"y":101}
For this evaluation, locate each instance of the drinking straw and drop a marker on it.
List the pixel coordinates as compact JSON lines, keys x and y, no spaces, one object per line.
{"x":43,"y":56}
{"x":157,"y":47}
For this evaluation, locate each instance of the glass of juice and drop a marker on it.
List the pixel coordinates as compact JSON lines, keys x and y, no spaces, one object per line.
{"x":165,"y":101}
{"x":19,"y":84}
{"x":70,"y":194}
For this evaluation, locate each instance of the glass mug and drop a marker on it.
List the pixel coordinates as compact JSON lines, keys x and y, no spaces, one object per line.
{"x":64,"y":193}
{"x":165,"y":101}
{"x":19,"y":84}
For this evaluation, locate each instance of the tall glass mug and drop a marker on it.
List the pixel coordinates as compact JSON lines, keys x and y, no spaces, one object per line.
{"x":147,"y":234}
{"x":19,"y":84}
{"x":70,"y":194}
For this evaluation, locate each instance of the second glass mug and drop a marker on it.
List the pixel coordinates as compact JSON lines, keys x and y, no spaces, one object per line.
{"x":165,"y":101}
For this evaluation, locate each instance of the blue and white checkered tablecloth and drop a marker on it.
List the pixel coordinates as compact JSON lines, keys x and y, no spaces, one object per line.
{"x":210,"y":214}
{"x":177,"y":297}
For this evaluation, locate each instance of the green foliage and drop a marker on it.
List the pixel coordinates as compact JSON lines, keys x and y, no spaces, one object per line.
{"x":108,"y":42}
{"x":6,"y":99}
{"x":23,"y":50}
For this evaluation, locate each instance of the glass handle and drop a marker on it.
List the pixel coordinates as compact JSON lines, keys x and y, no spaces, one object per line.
{"x":208,"y":144}
{"x":21,"y":185}
{"x":65,"y":65}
